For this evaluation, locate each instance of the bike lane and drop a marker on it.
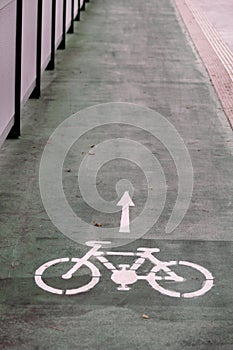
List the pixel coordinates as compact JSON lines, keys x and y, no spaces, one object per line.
{"x":136,"y":53}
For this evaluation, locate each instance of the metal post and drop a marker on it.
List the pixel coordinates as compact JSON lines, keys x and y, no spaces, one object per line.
{"x":15,"y":130}
{"x":62,"y":44}
{"x":36,"y":91}
{"x":77,"y":18}
{"x":51,"y":64}
{"x":71,"y":29}
{"x":83,"y":8}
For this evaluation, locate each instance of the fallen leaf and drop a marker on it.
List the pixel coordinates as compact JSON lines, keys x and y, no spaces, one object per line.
{"x":145,"y":316}
{"x":97,"y":224}
{"x":56,"y":329}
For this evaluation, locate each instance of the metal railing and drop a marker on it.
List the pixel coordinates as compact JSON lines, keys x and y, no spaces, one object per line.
{"x":30,"y":33}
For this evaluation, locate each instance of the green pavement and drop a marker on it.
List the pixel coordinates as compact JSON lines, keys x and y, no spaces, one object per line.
{"x":134,"y":52}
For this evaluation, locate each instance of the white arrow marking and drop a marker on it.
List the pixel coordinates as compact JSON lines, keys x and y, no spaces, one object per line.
{"x":125,"y":203}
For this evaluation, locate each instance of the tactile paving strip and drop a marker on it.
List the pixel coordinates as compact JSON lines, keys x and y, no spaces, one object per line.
{"x":216,"y":55}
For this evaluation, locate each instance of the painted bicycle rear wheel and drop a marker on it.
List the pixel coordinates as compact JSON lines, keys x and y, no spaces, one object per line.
{"x":43,"y":284}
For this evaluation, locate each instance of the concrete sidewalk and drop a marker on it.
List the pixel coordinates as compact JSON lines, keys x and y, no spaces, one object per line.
{"x":220,"y":15}
{"x":210,"y":30}
{"x":135,"y":52}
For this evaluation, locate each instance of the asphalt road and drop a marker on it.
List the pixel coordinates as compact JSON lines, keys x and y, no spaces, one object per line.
{"x":137,"y":53}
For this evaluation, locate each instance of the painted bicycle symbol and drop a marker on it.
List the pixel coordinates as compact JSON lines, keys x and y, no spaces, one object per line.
{"x":125,"y":275}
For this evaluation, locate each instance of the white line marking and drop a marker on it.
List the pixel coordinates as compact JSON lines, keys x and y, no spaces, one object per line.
{"x":44,"y":286}
{"x":125,"y":203}
{"x":43,"y":267}
{"x":120,"y":254}
{"x":125,"y":274}
{"x":83,"y":289}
